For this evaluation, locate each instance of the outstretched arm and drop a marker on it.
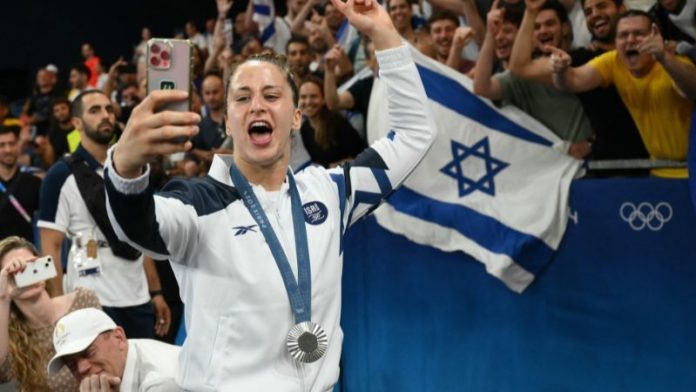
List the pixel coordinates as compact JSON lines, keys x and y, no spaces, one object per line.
{"x":334,"y":99}
{"x":370,"y":18}
{"x":566,"y":78}
{"x":462,"y":37}
{"x":485,"y":84}
{"x":377,"y":171}
{"x":298,"y":24}
{"x":219,"y":41}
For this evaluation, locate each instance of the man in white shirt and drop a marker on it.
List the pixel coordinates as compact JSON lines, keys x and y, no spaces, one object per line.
{"x":100,"y":357}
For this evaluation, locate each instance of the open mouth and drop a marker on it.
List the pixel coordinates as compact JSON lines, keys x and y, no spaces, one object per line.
{"x":632,"y":54}
{"x":503,"y":49}
{"x":546,"y":40}
{"x":601,"y":25}
{"x":260,"y":132}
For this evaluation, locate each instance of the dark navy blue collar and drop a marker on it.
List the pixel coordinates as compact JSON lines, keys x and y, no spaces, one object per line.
{"x":83,"y":154}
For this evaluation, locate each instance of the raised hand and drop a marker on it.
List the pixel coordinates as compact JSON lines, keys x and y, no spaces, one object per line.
{"x":12,"y":267}
{"x":494,"y":19}
{"x":150,"y":133}
{"x":559,"y":59}
{"x":534,"y":5}
{"x":370,"y":18}
{"x":462,"y":36}
{"x":333,"y":56}
{"x":653,"y":44}
{"x":113,"y":70}
{"x":223,"y":7}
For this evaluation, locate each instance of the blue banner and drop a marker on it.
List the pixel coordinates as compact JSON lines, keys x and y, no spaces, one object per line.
{"x":614,"y":311}
{"x":692,"y":159}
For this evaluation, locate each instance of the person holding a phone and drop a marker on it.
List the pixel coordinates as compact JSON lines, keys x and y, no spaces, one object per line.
{"x":27,"y":319}
{"x":257,"y":249}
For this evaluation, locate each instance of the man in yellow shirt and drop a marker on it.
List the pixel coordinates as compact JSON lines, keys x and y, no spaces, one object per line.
{"x":5,"y":119}
{"x":657,"y":87}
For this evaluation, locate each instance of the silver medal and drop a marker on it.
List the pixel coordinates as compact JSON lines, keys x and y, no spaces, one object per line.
{"x":307,"y":342}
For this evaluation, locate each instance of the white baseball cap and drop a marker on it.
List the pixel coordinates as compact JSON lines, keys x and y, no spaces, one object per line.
{"x":52,"y":68}
{"x":75,"y":331}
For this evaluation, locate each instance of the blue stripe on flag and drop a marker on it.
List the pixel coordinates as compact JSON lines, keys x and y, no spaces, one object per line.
{"x":262,"y":9}
{"x":268,"y":32}
{"x":529,"y":252}
{"x":450,"y":94}
{"x":342,"y":30}
{"x":692,"y":159}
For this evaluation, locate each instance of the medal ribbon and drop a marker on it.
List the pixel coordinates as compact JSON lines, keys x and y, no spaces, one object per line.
{"x":300,"y":291}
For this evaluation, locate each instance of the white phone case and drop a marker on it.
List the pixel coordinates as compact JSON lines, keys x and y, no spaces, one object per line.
{"x":38,"y":270}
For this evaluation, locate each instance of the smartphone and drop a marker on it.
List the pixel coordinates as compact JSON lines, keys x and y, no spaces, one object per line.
{"x":170,"y":67}
{"x":38,"y":270}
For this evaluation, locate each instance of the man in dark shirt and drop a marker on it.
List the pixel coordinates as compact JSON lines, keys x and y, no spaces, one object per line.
{"x":61,"y":127}
{"x":19,"y":192}
{"x":615,"y":133}
{"x":38,"y":106}
{"x":212,"y":126}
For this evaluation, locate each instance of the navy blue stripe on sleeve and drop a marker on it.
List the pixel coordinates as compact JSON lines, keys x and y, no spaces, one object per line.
{"x":206,"y":195}
{"x":369,"y":158}
{"x":135,"y":215}
{"x":341,"y":185}
{"x":50,"y":190}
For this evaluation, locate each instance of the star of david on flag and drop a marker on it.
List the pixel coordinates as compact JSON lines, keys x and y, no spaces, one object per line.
{"x":494,"y":184}
{"x":456,"y":168}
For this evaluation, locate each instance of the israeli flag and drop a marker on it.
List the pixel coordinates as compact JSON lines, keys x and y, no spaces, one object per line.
{"x":264,"y":16}
{"x":495,"y":184}
{"x":345,"y":35}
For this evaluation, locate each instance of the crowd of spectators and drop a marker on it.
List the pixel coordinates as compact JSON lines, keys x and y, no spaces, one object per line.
{"x":507,"y":53}
{"x":612,"y":78}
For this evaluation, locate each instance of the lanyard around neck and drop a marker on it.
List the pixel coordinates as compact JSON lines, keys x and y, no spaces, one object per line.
{"x":300,"y":291}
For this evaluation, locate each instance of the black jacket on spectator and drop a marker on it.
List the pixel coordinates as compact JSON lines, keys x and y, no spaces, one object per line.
{"x":616,"y":135}
{"x":25,"y":188}
{"x":345,"y":142}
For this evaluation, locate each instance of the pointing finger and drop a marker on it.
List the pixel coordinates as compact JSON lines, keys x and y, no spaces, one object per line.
{"x":655,"y":30}
{"x":553,"y":50}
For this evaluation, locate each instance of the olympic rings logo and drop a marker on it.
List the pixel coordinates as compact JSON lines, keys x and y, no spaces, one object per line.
{"x":645,"y":215}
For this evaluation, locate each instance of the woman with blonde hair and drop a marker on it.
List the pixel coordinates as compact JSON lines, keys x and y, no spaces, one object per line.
{"x":27,"y":318}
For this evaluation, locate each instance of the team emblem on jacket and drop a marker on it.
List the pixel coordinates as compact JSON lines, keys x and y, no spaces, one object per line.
{"x":315,"y":212}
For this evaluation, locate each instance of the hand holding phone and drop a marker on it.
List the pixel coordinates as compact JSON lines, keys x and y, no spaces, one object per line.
{"x":147,"y":134}
{"x":36,"y":271}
